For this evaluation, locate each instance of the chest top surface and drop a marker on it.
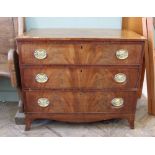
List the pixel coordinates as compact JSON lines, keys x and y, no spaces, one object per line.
{"x":86,"y":34}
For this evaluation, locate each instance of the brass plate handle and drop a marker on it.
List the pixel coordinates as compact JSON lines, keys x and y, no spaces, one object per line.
{"x":43,"y":102}
{"x":122,"y":54}
{"x":120,"y":78}
{"x":40,"y":54}
{"x":117,"y":102}
{"x":41,"y":78}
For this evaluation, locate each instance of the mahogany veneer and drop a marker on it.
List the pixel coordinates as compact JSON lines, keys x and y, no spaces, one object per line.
{"x":79,"y":71}
{"x":80,"y":77}
{"x":79,"y":102}
{"x":94,"y":53}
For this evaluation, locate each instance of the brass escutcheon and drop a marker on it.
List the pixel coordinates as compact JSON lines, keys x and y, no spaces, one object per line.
{"x":43,"y":102}
{"x":41,"y":78}
{"x":117,"y":102}
{"x":122,"y":54}
{"x":40,"y":54}
{"x":120,"y":78}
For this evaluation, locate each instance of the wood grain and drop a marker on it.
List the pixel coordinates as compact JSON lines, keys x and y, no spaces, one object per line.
{"x":79,"y":102}
{"x":80,"y":66}
{"x":138,"y":25}
{"x":81,"y":53}
{"x":80,"y":77}
{"x":150,"y":66}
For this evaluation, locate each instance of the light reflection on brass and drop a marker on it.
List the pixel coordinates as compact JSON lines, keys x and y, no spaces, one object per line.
{"x":117,"y":102}
{"x":122,"y":54}
{"x":120,"y":78}
{"x":40,"y":54}
{"x":43,"y":102}
{"x":41,"y":78}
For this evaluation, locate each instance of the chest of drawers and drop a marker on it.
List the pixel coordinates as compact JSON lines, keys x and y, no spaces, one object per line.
{"x":80,"y":75}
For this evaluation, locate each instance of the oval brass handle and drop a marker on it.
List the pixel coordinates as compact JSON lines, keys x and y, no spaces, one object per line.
{"x":41,"y":78}
{"x":122,"y":54}
{"x":40,"y":54}
{"x":120,"y":78}
{"x":43,"y":102}
{"x":117,"y":102}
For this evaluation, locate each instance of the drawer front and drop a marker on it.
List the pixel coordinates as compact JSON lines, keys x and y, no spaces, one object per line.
{"x":79,"y":77}
{"x":81,"y":53}
{"x":79,"y":102}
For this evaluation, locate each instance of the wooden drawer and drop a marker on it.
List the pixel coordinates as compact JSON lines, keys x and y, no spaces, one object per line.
{"x":78,"y":77}
{"x":79,"y":53}
{"x":78,"y":102}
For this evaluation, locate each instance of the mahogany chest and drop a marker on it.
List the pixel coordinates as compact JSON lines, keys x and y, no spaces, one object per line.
{"x":80,"y":75}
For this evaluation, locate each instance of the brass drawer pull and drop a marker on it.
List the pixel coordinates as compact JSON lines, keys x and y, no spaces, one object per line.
{"x":43,"y":102}
{"x":122,"y":54}
{"x":117,"y":102}
{"x":41,"y":78}
{"x":40,"y":54}
{"x":120,"y":78}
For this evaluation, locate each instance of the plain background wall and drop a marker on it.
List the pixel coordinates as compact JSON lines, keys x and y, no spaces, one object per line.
{"x":73,"y":22}
{"x":7,"y":93}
